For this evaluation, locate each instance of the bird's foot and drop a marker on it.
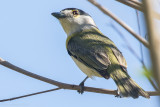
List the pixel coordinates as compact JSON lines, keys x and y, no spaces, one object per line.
{"x":118,"y":94}
{"x":81,"y":90}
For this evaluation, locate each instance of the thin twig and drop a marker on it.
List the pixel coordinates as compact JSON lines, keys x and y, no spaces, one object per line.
{"x":14,"y":98}
{"x":135,"y":5}
{"x":105,"y":11}
{"x":63,"y":85}
{"x":136,"y":2}
{"x":142,"y":59}
{"x":149,"y":78}
{"x":139,"y":30}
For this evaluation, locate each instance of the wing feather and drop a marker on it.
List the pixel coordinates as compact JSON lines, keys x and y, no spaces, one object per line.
{"x":120,"y":58}
{"x":89,"y":53}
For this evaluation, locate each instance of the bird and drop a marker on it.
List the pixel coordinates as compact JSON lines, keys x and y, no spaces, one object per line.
{"x":94,"y":53}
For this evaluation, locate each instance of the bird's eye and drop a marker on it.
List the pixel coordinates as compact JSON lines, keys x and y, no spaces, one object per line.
{"x":75,"y":12}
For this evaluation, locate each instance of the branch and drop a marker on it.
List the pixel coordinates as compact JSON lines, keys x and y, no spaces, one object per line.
{"x":142,"y":60}
{"x":154,"y":38}
{"x":149,"y":78}
{"x":105,"y":11}
{"x":53,"y":82}
{"x":14,"y":98}
{"x":137,"y":5}
{"x":134,"y":4}
{"x":63,"y":85}
{"x":139,"y":30}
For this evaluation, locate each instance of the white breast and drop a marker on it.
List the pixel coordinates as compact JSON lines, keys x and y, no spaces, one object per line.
{"x":88,"y":71}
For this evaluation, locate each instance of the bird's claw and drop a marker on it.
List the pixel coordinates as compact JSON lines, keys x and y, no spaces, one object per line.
{"x":81,"y":90}
{"x":118,"y":94}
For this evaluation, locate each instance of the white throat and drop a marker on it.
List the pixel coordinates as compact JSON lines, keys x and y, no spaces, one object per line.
{"x":71,"y":26}
{"x":80,"y":28}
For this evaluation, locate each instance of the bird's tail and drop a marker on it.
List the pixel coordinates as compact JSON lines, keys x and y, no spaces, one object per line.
{"x":126,"y":86}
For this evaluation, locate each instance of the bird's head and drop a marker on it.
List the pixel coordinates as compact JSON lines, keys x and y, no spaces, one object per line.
{"x":74,"y":20}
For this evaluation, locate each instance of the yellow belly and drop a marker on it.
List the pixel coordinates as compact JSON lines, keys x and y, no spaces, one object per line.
{"x":88,"y":71}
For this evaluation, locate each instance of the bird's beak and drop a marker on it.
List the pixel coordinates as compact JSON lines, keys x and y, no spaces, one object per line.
{"x":58,"y":15}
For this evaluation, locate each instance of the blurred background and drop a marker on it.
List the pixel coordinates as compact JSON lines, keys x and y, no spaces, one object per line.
{"x":34,"y":40}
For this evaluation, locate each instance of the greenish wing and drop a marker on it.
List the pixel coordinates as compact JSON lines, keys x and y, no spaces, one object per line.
{"x":120,"y":58}
{"x":91,"y":53}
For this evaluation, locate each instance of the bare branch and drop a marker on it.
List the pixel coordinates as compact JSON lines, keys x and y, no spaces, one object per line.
{"x":134,"y":4}
{"x":154,"y":93}
{"x":139,"y":30}
{"x":53,"y":82}
{"x":154,"y":38}
{"x":149,"y":78}
{"x":137,"y":5}
{"x":105,"y":11}
{"x":142,"y":60}
{"x":14,"y":98}
{"x":63,"y":85}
